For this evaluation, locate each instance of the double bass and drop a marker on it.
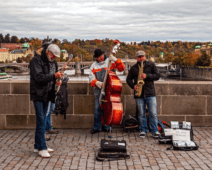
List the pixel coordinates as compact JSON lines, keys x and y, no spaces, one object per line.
{"x":110,"y":96}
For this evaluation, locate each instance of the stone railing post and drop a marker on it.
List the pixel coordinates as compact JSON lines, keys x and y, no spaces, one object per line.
{"x":77,"y":69}
{"x":126,"y":71}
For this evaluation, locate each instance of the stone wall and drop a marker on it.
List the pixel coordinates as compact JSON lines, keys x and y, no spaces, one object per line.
{"x":198,"y":73}
{"x":189,"y":101}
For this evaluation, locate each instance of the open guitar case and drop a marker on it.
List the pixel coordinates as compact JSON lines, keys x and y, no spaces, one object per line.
{"x":177,"y":144}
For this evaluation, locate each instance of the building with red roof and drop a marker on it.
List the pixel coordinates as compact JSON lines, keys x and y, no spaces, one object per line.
{"x":12,"y":46}
{"x":3,"y":50}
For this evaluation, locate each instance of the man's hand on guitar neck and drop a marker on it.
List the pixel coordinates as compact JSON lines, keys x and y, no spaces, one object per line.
{"x":58,"y":82}
{"x":58,"y":75}
{"x":65,"y":66}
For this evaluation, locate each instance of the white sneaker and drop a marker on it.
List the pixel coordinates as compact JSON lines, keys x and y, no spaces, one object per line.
{"x":48,"y":149}
{"x":156,"y":135}
{"x":44,"y":154}
{"x":142,"y":135}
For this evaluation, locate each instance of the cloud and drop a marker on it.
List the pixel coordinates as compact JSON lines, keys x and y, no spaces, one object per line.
{"x":126,"y":20}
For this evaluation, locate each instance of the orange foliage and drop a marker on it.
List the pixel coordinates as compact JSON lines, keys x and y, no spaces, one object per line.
{"x":190,"y":59}
{"x":168,"y":58}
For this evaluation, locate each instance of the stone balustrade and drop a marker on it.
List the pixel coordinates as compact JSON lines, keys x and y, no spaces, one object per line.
{"x":177,"y":101}
{"x":198,"y":73}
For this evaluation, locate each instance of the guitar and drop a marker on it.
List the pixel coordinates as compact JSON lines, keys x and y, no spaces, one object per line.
{"x":57,"y":88}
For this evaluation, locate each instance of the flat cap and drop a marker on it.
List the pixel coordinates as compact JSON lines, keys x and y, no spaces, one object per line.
{"x":54,"y":49}
{"x":140,"y":53}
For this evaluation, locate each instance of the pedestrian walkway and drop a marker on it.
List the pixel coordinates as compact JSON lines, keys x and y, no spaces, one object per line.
{"x":77,"y":149}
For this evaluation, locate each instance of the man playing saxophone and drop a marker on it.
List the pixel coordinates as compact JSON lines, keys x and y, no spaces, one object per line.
{"x":141,"y":78}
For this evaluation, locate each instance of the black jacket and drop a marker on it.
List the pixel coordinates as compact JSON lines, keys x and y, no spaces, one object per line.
{"x":40,"y":78}
{"x":151,"y":75}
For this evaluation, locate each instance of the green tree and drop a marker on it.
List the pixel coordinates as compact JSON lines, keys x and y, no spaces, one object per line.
{"x":28,"y":58}
{"x":203,"y":60}
{"x":56,"y":41}
{"x":7,"y":38}
{"x":22,"y":40}
{"x":19,"y":60}
{"x":14,"y":39}
{"x":176,"y":60}
{"x":1,"y":38}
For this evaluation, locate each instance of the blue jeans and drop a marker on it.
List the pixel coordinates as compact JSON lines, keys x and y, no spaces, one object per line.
{"x":152,"y":109}
{"x":97,"y":117}
{"x":48,"y":124}
{"x":40,"y":110}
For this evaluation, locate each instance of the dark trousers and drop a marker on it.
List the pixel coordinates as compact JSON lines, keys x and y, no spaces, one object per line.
{"x":48,"y":124}
{"x":97,"y":117}
{"x":40,"y":110}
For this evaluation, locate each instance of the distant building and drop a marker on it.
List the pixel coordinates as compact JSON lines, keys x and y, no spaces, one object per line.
{"x":197,"y":50}
{"x":13,"y":46}
{"x":5,"y":55}
{"x":17,"y":51}
{"x":204,"y":48}
{"x":207,"y":49}
{"x":25,"y":46}
{"x":65,"y":54}
{"x":161,"y":55}
{"x":3,"y":50}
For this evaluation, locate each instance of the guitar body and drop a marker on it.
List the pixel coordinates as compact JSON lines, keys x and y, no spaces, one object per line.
{"x":112,"y":106}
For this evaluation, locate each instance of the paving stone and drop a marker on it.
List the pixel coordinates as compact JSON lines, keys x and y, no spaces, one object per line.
{"x":77,"y":149}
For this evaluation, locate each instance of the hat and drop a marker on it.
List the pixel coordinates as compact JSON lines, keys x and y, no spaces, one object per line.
{"x":54,"y":49}
{"x":140,"y":53}
{"x":98,"y":53}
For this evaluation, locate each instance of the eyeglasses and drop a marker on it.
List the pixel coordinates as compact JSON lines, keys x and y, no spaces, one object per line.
{"x":52,"y":55}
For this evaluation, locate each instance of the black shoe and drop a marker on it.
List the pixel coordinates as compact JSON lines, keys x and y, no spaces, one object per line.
{"x":93,"y":131}
{"x":52,"y":131}
{"x":47,"y":139}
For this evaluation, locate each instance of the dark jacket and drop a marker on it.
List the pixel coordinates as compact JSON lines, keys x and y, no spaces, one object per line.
{"x":40,"y":78}
{"x":151,"y":75}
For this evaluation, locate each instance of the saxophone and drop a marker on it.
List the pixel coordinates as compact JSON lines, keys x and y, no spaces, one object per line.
{"x":140,"y":82}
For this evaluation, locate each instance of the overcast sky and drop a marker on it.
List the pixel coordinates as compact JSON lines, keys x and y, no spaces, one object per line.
{"x":126,"y":20}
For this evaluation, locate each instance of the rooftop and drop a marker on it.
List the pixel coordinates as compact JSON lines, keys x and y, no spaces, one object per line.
{"x":3,"y":50}
{"x":16,"y":51}
{"x":25,"y":45}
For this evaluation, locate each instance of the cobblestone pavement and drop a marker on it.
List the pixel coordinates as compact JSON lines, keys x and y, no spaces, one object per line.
{"x":77,"y":149}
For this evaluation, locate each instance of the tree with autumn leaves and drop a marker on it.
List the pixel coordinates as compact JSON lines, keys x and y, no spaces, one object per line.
{"x":203,"y":60}
{"x":189,"y":59}
{"x":178,"y":52}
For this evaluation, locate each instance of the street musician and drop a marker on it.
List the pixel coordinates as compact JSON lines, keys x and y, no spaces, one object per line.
{"x":96,"y":79}
{"x":141,"y":78}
